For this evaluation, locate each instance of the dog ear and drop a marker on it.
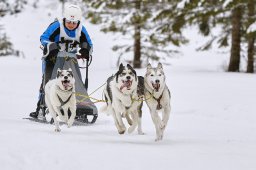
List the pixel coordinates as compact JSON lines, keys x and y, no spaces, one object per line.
{"x":121,"y":67}
{"x":134,"y":72}
{"x":131,"y":68}
{"x":149,"y":66}
{"x":117,"y":74}
{"x":159,"y":66}
{"x":120,"y":70}
{"x":58,"y":72}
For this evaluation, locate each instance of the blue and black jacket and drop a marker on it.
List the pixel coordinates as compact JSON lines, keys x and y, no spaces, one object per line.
{"x":52,"y":34}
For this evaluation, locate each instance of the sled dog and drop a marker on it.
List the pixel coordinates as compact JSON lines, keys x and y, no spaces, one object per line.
{"x":155,"y":86}
{"x":60,"y":97}
{"x":122,"y":98}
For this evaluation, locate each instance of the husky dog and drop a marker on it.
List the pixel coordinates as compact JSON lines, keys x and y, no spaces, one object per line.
{"x":60,"y":97}
{"x":122,"y":98}
{"x":159,"y":100}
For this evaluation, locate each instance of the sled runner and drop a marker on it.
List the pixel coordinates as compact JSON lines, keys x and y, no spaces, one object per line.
{"x":76,"y":122}
{"x":86,"y":110}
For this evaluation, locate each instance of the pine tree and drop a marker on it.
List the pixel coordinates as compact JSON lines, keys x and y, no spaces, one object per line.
{"x":231,"y":17}
{"x":135,"y":20}
{"x":5,"y":9}
{"x":5,"y":45}
{"x":207,"y":15}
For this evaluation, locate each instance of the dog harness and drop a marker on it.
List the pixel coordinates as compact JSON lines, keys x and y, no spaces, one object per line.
{"x":62,"y":103}
{"x":159,"y":106}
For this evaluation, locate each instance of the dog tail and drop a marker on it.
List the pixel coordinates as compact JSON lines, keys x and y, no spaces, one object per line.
{"x":105,"y":109}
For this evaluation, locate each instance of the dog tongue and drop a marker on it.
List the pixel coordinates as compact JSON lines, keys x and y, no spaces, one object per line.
{"x":65,"y":84}
{"x":125,"y":84}
{"x":156,"y":86}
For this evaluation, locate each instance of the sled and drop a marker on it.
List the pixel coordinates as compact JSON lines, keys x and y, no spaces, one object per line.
{"x":86,"y":111}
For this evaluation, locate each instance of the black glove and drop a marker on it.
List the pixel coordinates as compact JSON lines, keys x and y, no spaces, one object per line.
{"x":51,"y":50}
{"x":84,"y":53}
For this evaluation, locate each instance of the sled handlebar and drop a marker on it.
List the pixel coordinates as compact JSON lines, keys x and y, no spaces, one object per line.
{"x":66,"y":54}
{"x":74,"y":55}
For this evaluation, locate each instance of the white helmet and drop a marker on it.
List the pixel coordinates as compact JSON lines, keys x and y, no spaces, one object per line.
{"x":72,"y":13}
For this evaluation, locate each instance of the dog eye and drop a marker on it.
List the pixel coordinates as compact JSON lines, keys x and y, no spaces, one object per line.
{"x":123,"y":74}
{"x":61,"y":75}
{"x":151,"y":75}
{"x":69,"y":75}
{"x":159,"y":74}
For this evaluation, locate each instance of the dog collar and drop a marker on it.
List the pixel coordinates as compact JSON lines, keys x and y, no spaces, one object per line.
{"x":64,"y":90}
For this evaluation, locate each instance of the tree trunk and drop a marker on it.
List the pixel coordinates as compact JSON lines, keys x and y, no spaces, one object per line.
{"x":250,"y":56}
{"x":137,"y":42}
{"x":251,"y":38}
{"x":62,"y":5}
{"x":236,"y":39}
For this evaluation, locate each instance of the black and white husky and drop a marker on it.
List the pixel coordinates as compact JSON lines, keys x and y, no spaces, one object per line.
{"x":122,"y":97}
{"x":60,"y":97}
{"x":159,"y":98}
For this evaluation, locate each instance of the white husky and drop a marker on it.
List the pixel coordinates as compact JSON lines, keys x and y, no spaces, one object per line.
{"x":60,"y":97}
{"x":159,"y":101}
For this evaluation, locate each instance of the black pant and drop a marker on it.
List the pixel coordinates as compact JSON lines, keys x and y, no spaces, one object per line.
{"x":49,"y":66}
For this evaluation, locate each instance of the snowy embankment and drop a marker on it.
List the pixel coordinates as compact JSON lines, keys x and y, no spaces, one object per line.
{"x":212,"y":124}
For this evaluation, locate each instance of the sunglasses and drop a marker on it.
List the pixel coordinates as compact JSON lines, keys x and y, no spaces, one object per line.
{"x":71,"y":22}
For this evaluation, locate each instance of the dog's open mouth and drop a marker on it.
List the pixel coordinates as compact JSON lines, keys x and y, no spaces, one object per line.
{"x":66,"y":84}
{"x":156,"y":86}
{"x":126,"y":84}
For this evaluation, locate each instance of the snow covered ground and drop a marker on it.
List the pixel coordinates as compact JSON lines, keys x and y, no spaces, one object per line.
{"x":212,"y":124}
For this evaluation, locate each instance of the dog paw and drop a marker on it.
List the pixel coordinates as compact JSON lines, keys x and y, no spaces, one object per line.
{"x":141,"y":133}
{"x":121,"y":132}
{"x":69,"y":124}
{"x":57,"y":130}
{"x":158,"y":138}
